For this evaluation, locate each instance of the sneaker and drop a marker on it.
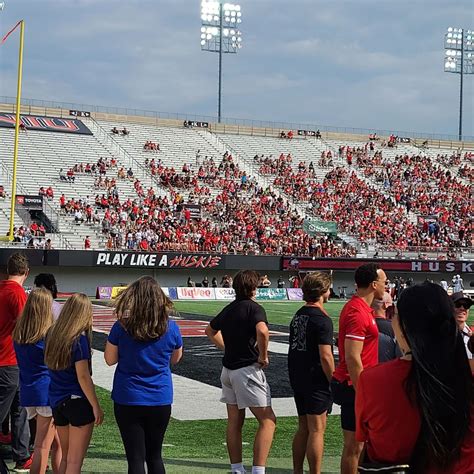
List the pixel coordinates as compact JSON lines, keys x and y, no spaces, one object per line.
{"x":23,"y":466}
{"x":5,"y":438}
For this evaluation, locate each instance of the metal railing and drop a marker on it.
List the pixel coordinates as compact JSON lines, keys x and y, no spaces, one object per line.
{"x":272,"y":125}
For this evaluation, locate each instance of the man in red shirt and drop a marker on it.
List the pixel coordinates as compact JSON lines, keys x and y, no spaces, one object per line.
{"x":358,"y":350}
{"x":12,"y":301}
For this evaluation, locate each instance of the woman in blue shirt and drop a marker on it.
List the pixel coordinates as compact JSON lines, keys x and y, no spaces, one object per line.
{"x":71,"y":390}
{"x":28,"y":337}
{"x":144,"y":341}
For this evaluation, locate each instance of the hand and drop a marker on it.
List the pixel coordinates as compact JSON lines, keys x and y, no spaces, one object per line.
{"x":98,"y":415}
{"x":263,"y":362}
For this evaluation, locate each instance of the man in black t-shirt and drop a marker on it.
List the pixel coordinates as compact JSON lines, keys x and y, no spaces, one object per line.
{"x":310,"y":367}
{"x":241,"y":330}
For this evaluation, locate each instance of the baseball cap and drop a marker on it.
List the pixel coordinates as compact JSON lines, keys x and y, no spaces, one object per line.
{"x":460,"y":297}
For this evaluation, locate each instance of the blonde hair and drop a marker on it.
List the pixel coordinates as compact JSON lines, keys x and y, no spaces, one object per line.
{"x":36,"y":318}
{"x":315,"y":285}
{"x":74,"y":319}
{"x":143,"y":309}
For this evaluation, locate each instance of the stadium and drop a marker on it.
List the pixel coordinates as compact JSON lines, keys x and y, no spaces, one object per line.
{"x":101,"y":195}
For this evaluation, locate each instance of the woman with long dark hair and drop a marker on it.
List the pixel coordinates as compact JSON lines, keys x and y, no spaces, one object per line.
{"x":419,"y":409}
{"x":143,"y":343}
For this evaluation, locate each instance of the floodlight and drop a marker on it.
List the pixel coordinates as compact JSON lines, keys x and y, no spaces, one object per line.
{"x":458,"y":59}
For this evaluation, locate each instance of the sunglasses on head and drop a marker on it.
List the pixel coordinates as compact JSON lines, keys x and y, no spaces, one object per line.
{"x":462,"y":305}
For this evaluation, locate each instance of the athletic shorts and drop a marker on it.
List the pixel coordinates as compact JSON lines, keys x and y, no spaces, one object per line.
{"x":313,"y":402}
{"x":246,"y":387}
{"x":74,"y":412}
{"x":31,"y":412}
{"x":344,"y":395}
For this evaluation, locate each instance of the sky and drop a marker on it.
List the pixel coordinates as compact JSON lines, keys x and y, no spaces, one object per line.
{"x":371,"y":64}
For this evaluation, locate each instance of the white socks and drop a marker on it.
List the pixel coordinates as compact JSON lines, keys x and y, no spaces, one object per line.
{"x":237,"y":468}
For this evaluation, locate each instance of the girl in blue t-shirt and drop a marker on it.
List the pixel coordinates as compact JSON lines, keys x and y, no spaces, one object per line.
{"x":71,"y":390}
{"x":144,"y":341}
{"x":28,"y":337}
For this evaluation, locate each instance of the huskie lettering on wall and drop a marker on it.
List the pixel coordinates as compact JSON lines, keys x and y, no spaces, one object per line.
{"x":170,"y":260}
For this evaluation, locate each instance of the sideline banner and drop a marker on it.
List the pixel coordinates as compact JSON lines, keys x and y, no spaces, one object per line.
{"x":225,"y":293}
{"x":170,"y":292}
{"x":295,"y":294}
{"x":195,"y":293}
{"x":271,"y":294}
{"x":116,"y":290}
{"x":104,"y":293}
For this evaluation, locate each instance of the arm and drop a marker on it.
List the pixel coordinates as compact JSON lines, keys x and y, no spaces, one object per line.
{"x":215,"y":337}
{"x":353,"y":350}
{"x":263,"y":337}
{"x":111,"y":353}
{"x":85,"y":381}
{"x":327,"y":360}
{"x":176,"y":355}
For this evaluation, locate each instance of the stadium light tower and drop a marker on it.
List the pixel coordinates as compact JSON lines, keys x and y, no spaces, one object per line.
{"x":459,"y":59}
{"x":220,"y":33}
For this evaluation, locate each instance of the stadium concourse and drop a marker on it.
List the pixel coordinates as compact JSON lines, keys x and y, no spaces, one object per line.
{"x":243,"y":191}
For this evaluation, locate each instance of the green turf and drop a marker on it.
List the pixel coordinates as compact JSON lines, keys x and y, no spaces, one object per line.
{"x":277,"y":312}
{"x":199,"y":446}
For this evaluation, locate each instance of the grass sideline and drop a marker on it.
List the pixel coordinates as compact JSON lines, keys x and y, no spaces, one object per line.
{"x":199,"y":446}
{"x":279,"y":312}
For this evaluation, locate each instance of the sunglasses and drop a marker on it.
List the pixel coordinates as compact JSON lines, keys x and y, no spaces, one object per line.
{"x":462,"y":305}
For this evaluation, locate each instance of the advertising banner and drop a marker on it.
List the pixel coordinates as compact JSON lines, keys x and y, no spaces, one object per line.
{"x":295,"y":294}
{"x":225,"y":293}
{"x":46,"y":124}
{"x":196,"y":293}
{"x":32,"y":203}
{"x":116,"y":290}
{"x":173,"y":293}
{"x":314,"y":226}
{"x":271,"y":294}
{"x":104,"y":293}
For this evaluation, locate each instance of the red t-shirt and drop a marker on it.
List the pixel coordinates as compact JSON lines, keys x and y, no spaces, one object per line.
{"x":388,"y":422}
{"x":357,"y":322}
{"x":12,"y":301}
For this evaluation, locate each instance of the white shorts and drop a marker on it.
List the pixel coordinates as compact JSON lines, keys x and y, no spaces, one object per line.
{"x":41,"y":411}
{"x":246,"y":387}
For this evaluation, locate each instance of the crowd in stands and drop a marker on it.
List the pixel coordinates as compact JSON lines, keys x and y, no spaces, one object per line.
{"x":151,"y":146}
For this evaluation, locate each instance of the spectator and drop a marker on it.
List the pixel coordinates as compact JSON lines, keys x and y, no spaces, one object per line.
{"x":419,"y":409}
{"x":48,"y":281}
{"x":71,"y":391}
{"x":265,"y":282}
{"x":457,"y":283}
{"x":3,"y":194}
{"x":462,"y":304}
{"x":191,"y":283}
{"x":125,"y":132}
{"x":205,"y":282}
{"x":143,"y":341}
{"x":235,"y":330}
{"x":214,"y":282}
{"x":12,"y":302}
{"x":62,"y":175}
{"x":310,"y":367}
{"x":87,"y":243}
{"x":358,"y":350}
{"x":280,"y":282}
{"x":28,"y":338}
{"x":388,"y":348}
{"x":115,"y":131}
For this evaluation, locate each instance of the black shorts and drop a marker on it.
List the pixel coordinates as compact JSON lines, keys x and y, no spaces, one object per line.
{"x":344,"y":395}
{"x":313,"y":402}
{"x":74,"y":412}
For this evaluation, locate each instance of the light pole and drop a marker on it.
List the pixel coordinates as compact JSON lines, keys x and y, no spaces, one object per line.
{"x":459,"y":59}
{"x":220,"y":23}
